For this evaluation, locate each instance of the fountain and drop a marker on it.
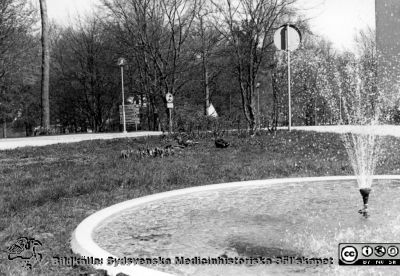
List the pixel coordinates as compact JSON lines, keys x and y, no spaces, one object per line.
{"x":258,"y":224}
{"x":365,"y":196}
{"x":362,"y":109}
{"x":364,"y":151}
{"x":182,"y":232}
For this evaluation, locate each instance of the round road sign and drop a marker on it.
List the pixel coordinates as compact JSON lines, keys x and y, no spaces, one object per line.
{"x":169,"y":98}
{"x":287,"y":36}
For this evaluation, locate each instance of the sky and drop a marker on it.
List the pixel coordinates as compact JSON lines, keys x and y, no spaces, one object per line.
{"x":337,"y":20}
{"x":63,"y":11}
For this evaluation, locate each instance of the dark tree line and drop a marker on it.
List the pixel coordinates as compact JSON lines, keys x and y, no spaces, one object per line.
{"x":19,"y":53}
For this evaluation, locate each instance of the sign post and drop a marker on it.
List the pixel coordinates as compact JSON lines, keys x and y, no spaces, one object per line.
{"x":122,"y":63}
{"x":170,"y":105}
{"x":288,"y":38}
{"x":289,"y":94}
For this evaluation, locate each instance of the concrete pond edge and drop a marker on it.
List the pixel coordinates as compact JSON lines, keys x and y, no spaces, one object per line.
{"x":83,"y":244}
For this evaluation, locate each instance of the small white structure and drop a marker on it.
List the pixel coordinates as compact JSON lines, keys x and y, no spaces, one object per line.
{"x":211,"y":111}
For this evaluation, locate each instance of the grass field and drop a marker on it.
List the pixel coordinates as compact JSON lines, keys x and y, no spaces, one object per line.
{"x":47,"y":191}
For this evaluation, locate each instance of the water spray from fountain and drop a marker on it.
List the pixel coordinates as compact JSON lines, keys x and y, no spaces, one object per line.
{"x":362,"y":143}
{"x":363,"y":150}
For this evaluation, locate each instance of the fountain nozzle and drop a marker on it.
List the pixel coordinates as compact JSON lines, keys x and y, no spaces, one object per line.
{"x":365,"y":195}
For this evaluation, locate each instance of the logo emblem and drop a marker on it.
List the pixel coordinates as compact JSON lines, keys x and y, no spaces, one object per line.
{"x":25,"y":249}
{"x":367,"y":254}
{"x":367,"y":251}
{"x":393,"y":251}
{"x":380,"y":251}
{"x":349,"y":254}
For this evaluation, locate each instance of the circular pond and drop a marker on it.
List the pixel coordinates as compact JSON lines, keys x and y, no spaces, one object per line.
{"x":256,"y":224}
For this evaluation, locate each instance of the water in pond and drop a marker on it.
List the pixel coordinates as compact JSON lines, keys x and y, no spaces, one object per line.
{"x":293,"y":219}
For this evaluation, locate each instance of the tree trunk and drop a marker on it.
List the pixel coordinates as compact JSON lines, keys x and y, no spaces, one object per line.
{"x":248,"y":107}
{"x":156,"y":121}
{"x":45,"y":66}
{"x":206,"y":88}
{"x":315,"y":111}
{"x":275,"y":114}
{"x":204,"y":55}
{"x":4,"y":128}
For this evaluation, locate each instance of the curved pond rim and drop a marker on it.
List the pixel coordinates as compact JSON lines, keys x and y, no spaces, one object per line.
{"x":83,"y":244}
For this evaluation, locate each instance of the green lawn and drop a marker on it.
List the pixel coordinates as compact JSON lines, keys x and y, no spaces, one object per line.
{"x":47,"y":191}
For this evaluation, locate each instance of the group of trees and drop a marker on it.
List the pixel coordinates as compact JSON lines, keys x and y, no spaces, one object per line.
{"x":331,"y":87}
{"x":201,"y":51}
{"x":19,"y":63}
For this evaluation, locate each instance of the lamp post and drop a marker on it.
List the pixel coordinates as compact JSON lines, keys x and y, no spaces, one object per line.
{"x":121,"y":64}
{"x":258,"y":104}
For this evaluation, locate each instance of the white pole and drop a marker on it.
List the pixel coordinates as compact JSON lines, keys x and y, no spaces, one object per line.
{"x":340,"y":106}
{"x":258,"y":107}
{"x":123,"y":98}
{"x":170,"y":120}
{"x":288,"y":61}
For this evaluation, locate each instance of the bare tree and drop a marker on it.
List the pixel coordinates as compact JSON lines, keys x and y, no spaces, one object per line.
{"x":248,"y":26}
{"x":45,"y":66}
{"x":16,"y":19}
{"x":15,"y":22}
{"x":206,"y":41}
{"x":84,"y":63}
{"x":155,"y":32}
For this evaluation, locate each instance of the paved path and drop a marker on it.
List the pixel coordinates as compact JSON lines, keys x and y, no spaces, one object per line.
{"x":12,"y":143}
{"x":393,"y":130}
